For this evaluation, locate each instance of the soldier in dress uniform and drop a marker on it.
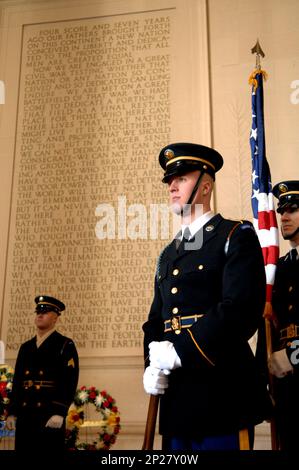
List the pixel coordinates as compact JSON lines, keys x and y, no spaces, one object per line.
{"x":284,"y":362}
{"x":208,"y":301}
{"x":44,"y":384}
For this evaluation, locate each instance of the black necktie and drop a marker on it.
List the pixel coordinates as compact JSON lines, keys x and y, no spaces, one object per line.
{"x":293,"y":255}
{"x":185,"y":239}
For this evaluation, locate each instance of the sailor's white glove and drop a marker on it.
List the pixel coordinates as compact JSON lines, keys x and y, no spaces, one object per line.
{"x":163,"y":355}
{"x":155,"y":381}
{"x":279,"y":364}
{"x":56,"y":421}
{"x":10,"y":423}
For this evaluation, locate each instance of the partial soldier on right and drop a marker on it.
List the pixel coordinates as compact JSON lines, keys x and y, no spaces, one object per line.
{"x":284,"y":362}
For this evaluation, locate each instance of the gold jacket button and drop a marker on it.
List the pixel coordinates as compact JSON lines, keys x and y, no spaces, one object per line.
{"x":174,"y":290}
{"x":38,"y":404}
{"x":290,"y":307}
{"x":27,"y":372}
{"x":290,"y":288}
{"x":37,"y":387}
{"x":175,"y":272}
{"x":41,"y":372}
{"x":175,"y":310}
{"x":200,"y":267}
{"x":24,"y":403}
{"x":177,"y":332}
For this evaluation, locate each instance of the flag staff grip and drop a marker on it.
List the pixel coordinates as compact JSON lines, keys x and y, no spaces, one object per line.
{"x":149,"y":434}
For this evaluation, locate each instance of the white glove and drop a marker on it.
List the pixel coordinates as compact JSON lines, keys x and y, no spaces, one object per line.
{"x":10,"y":423}
{"x":162,"y":355}
{"x":155,"y":381}
{"x":279,"y":364}
{"x":56,"y":421}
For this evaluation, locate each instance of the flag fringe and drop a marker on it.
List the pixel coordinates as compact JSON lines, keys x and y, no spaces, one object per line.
{"x":253,"y":81}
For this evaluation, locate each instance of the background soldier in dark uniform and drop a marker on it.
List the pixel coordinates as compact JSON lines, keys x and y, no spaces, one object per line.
{"x":44,"y":384}
{"x":209,"y":299}
{"x":284,"y":362}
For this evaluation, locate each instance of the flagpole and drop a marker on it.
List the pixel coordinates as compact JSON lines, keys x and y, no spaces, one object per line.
{"x":270,"y":247}
{"x":149,"y":434}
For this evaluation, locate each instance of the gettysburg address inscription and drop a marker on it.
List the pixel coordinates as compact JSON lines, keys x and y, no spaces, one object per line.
{"x":94,"y":110}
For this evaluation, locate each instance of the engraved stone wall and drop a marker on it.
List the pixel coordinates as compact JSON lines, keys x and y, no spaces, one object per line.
{"x":94,"y":110}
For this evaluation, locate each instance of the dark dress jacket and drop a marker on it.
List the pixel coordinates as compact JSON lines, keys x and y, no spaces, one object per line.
{"x":285,"y":297}
{"x":218,"y":389}
{"x":285,"y":301}
{"x":44,"y":384}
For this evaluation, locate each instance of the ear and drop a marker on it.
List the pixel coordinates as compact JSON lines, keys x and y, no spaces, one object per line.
{"x":206,"y":188}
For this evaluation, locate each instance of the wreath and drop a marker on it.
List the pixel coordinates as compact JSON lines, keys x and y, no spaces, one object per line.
{"x":108,"y":424}
{"x":6,"y":377}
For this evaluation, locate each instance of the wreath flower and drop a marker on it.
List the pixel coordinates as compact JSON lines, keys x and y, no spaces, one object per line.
{"x":6,"y":378}
{"x":108,"y":424}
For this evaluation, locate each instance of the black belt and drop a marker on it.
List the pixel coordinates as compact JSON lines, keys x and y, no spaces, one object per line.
{"x":38,"y":384}
{"x":291,"y":331}
{"x":176,"y":323}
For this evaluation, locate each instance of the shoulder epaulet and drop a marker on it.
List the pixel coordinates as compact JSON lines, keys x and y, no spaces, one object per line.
{"x":243,"y":224}
{"x":66,"y":342}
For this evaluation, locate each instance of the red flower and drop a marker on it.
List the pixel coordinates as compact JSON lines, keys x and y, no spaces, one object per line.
{"x":3,"y":387}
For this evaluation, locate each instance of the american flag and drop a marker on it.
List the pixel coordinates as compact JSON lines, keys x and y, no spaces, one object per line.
{"x":264,"y":217}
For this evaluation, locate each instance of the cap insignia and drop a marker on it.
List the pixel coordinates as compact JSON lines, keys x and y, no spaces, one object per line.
{"x":283,"y":188}
{"x":169,"y":154}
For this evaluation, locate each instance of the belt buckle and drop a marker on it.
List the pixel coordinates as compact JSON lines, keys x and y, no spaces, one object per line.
{"x":291,"y":331}
{"x":176,"y":324}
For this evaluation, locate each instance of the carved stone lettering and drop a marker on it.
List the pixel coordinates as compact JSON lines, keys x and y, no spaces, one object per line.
{"x":94,"y":111}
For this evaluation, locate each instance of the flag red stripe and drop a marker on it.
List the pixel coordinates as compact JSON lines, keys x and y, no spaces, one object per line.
{"x":270,"y":254}
{"x":269,"y":293}
{"x":267,"y":219}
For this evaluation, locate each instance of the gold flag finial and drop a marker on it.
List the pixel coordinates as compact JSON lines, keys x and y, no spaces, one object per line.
{"x":259,"y":52}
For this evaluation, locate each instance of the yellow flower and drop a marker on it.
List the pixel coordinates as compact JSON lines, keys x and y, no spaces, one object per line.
{"x":112,"y":420}
{"x":73,"y":418}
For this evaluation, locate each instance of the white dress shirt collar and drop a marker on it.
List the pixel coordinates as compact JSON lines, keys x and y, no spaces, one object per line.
{"x":198,"y":223}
